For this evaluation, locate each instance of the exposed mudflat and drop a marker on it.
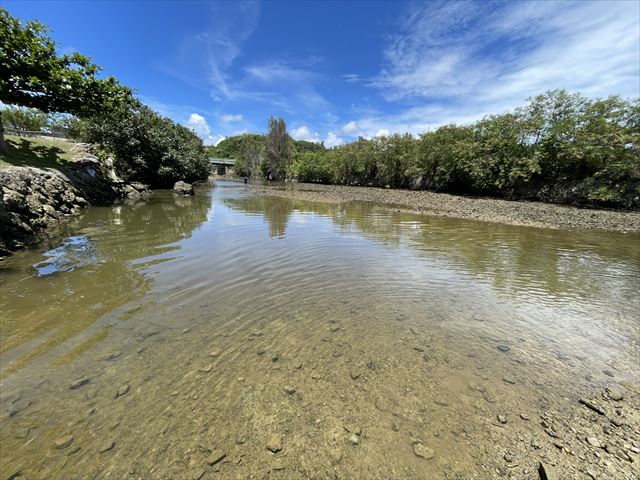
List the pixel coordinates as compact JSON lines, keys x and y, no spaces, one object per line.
{"x":535,"y":214}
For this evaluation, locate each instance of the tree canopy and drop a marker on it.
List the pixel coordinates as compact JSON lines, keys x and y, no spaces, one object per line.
{"x":32,"y":74}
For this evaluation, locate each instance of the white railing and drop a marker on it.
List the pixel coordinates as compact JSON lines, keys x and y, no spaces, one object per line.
{"x":32,"y":133}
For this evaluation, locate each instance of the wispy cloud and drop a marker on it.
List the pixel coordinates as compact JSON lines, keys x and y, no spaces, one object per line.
{"x":204,"y":58}
{"x":458,"y":61}
{"x":229,"y":118}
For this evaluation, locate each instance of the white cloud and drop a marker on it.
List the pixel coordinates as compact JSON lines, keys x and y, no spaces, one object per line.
{"x":304,"y":133}
{"x":228,"y":117}
{"x":350,"y":128}
{"x":351,"y":77}
{"x":200,"y":127}
{"x":333,"y":140}
{"x":459,"y":61}
{"x":382,"y":132}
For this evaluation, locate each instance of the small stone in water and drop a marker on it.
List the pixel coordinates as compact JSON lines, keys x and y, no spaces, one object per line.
{"x":615,"y":394}
{"x":106,"y":447}
{"x":595,"y":442}
{"x":547,"y":472}
{"x":502,"y":419}
{"x":215,"y":457}
{"x":274,"y":443}
{"x":424,"y":452}
{"x":198,"y":474}
{"x":122,"y":390}
{"x":63,"y":442}
{"x":79,"y":383}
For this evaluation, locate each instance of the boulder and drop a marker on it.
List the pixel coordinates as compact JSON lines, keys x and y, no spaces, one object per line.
{"x":183,"y":188}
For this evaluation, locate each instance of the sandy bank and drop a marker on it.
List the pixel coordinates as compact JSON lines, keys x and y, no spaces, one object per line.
{"x":534,"y":214}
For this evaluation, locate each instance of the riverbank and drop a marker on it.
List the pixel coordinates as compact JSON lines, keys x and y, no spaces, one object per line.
{"x":33,"y":199}
{"x":534,"y":214}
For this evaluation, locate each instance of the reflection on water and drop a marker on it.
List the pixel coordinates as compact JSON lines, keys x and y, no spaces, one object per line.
{"x":160,"y":333}
{"x":88,"y":274}
{"x":75,"y":251}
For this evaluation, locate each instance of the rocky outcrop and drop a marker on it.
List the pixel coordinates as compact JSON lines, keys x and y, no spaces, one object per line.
{"x":32,"y":199}
{"x":183,"y":188}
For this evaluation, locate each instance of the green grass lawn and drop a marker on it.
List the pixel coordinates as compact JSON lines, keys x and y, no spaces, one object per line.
{"x":36,"y":152}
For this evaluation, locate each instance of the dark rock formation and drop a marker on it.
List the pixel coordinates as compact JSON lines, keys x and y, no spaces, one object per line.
{"x":32,"y":199}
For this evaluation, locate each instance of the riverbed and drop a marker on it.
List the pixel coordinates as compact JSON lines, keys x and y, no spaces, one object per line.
{"x":238,"y":334}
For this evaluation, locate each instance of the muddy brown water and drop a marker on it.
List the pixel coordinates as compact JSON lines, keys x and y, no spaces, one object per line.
{"x":190,"y":337}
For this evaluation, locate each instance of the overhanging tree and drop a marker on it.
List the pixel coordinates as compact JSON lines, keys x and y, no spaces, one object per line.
{"x":33,"y":75}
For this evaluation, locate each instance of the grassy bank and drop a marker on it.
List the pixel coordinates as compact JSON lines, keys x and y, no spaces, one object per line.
{"x":39,"y":152}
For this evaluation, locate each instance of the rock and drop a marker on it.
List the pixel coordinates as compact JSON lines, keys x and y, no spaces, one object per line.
{"x":608,"y":373}
{"x":509,"y":380}
{"x":183,"y":188}
{"x":13,"y":473}
{"x":32,"y":199}
{"x":274,"y":443}
{"x":422,"y":451}
{"x":502,"y":419}
{"x":198,"y":474}
{"x":614,"y":394}
{"x":547,"y":472}
{"x":122,"y":390}
{"x":106,"y":447}
{"x":215,"y":457}
{"x":205,"y":369}
{"x":79,"y":383}
{"x":354,"y":375}
{"x":354,"y":439}
{"x":589,"y":404}
{"x":214,"y":353}
{"x":595,"y":442}
{"x":289,"y":390}
{"x":63,"y":442}
{"x":113,"y":355}
{"x":503,"y":348}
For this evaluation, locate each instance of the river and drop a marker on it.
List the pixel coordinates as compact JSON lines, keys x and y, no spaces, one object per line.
{"x":236,"y":335}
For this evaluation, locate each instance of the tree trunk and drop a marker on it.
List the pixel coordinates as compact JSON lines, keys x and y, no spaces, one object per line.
{"x":4,"y":150}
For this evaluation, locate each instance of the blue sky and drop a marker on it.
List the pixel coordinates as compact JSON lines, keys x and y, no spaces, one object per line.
{"x":337,"y":70}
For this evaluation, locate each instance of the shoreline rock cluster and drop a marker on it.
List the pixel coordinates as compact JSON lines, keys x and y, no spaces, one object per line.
{"x":34,"y":199}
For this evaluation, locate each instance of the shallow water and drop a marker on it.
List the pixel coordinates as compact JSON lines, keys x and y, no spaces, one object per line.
{"x":352,"y":333}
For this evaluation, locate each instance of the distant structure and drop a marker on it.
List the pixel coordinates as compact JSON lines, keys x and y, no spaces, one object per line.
{"x":222,"y":166}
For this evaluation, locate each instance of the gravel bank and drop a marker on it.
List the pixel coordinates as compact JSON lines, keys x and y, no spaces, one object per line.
{"x":533,"y":214}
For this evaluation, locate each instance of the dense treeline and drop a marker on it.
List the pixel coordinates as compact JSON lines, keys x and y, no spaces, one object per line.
{"x":560,"y":147}
{"x":42,"y":89}
{"x":249,"y":150}
{"x":146,"y":146}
